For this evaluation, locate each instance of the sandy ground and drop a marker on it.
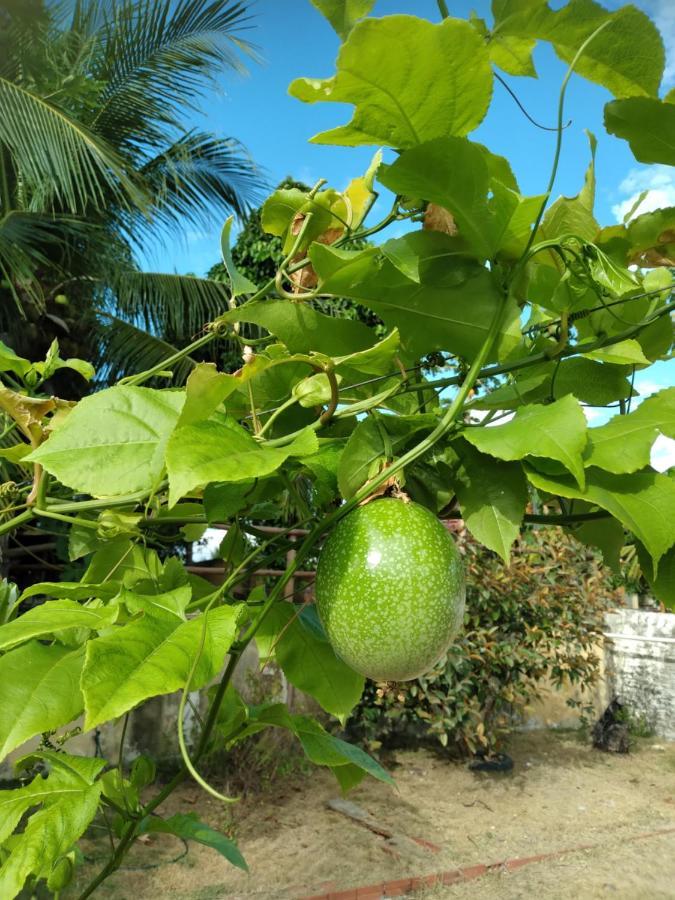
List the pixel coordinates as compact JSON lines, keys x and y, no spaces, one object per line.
{"x":561,"y":794}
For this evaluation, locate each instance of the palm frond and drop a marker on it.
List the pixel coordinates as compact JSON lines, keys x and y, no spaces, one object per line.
{"x":31,"y":244}
{"x":59,"y":158}
{"x":177,"y":306}
{"x":124,"y":347}
{"x":197,"y":177}
{"x":159,"y":55}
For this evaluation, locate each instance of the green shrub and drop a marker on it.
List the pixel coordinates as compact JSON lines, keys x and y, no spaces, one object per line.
{"x":536,"y":622}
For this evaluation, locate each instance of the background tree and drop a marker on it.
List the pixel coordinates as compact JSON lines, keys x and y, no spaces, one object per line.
{"x":97,"y":160}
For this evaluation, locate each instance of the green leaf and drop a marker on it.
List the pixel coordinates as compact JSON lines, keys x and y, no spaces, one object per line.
{"x":239,"y":284}
{"x":303,"y":329}
{"x":320,"y":747}
{"x":591,"y":382}
{"x":624,"y":444}
{"x":643,"y":502}
{"x":574,"y":215}
{"x":124,"y":452}
{"x":627,"y":352}
{"x":52,"y":618}
{"x":314,"y":390}
{"x":173,"y":602}
{"x":556,"y":431}
{"x":122,"y":560}
{"x":376,"y":360}
{"x":10,"y":362}
{"x":374,"y":441}
{"x":450,"y":309}
{"x":286,"y":209}
{"x":206,"y":388}
{"x":224,"y":451}
{"x":528,"y":388}
{"x":71,"y":590}
{"x":513,"y":55}
{"x":456,"y":173}
{"x":188,"y":827}
{"x":410,"y":81}
{"x":610,"y":58}
{"x":646,"y":240}
{"x":64,"y":805}
{"x":325,"y":750}
{"x":492,"y":496}
{"x":662,"y":586}
{"x":152,"y":656}
{"x":309,"y":662}
{"x":343,"y":14}
{"x":606,"y":534}
{"x":39,"y":691}
{"x":647,"y":124}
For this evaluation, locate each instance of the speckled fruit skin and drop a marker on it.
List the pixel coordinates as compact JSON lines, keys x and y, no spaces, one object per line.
{"x":390,"y":590}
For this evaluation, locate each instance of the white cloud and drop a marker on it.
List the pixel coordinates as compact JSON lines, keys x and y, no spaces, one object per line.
{"x":658,"y":181}
{"x":663,"y":453}
{"x":592,"y":414}
{"x":207,"y":548}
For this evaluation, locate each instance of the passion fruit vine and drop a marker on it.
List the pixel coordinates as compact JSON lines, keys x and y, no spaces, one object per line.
{"x":390,"y":589}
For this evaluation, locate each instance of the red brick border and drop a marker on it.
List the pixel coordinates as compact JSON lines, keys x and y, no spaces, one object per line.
{"x":403,"y":886}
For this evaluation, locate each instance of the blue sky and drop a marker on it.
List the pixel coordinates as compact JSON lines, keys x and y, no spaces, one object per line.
{"x":294,"y":41}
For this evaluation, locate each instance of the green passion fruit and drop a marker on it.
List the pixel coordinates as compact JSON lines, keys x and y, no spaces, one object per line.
{"x":390,"y":589}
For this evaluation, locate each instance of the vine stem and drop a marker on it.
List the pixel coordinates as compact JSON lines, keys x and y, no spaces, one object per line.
{"x":132,"y":380}
{"x":560,"y":128}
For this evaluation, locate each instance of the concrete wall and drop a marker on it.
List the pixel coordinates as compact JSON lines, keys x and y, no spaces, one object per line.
{"x":640,"y":666}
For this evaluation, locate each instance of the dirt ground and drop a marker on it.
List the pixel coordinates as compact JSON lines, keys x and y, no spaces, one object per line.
{"x":561,"y":794}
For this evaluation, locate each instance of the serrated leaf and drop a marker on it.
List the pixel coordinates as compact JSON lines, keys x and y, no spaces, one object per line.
{"x":287,"y":209}
{"x":124,"y":452}
{"x":512,"y":54}
{"x":455,"y":173}
{"x":376,"y":360}
{"x":71,"y":590}
{"x":152,"y":656}
{"x":591,"y":382}
{"x":120,"y":561}
{"x":39,"y":691}
{"x":65,"y":803}
{"x":188,"y":827}
{"x":224,"y":451}
{"x":303,"y":329}
{"x":647,"y":124}
{"x":555,"y":431}
{"x":643,"y":502}
{"x":646,"y":240}
{"x":206,"y":388}
{"x":309,"y":663}
{"x":343,"y":14}
{"x":492,"y":496}
{"x":623,"y":353}
{"x":623,"y":445}
{"x":410,"y":80}
{"x":451,"y":309}
{"x":610,"y":58}
{"x":52,"y":618}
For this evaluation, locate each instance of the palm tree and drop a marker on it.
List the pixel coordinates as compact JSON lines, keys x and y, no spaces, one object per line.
{"x":96,"y":162}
